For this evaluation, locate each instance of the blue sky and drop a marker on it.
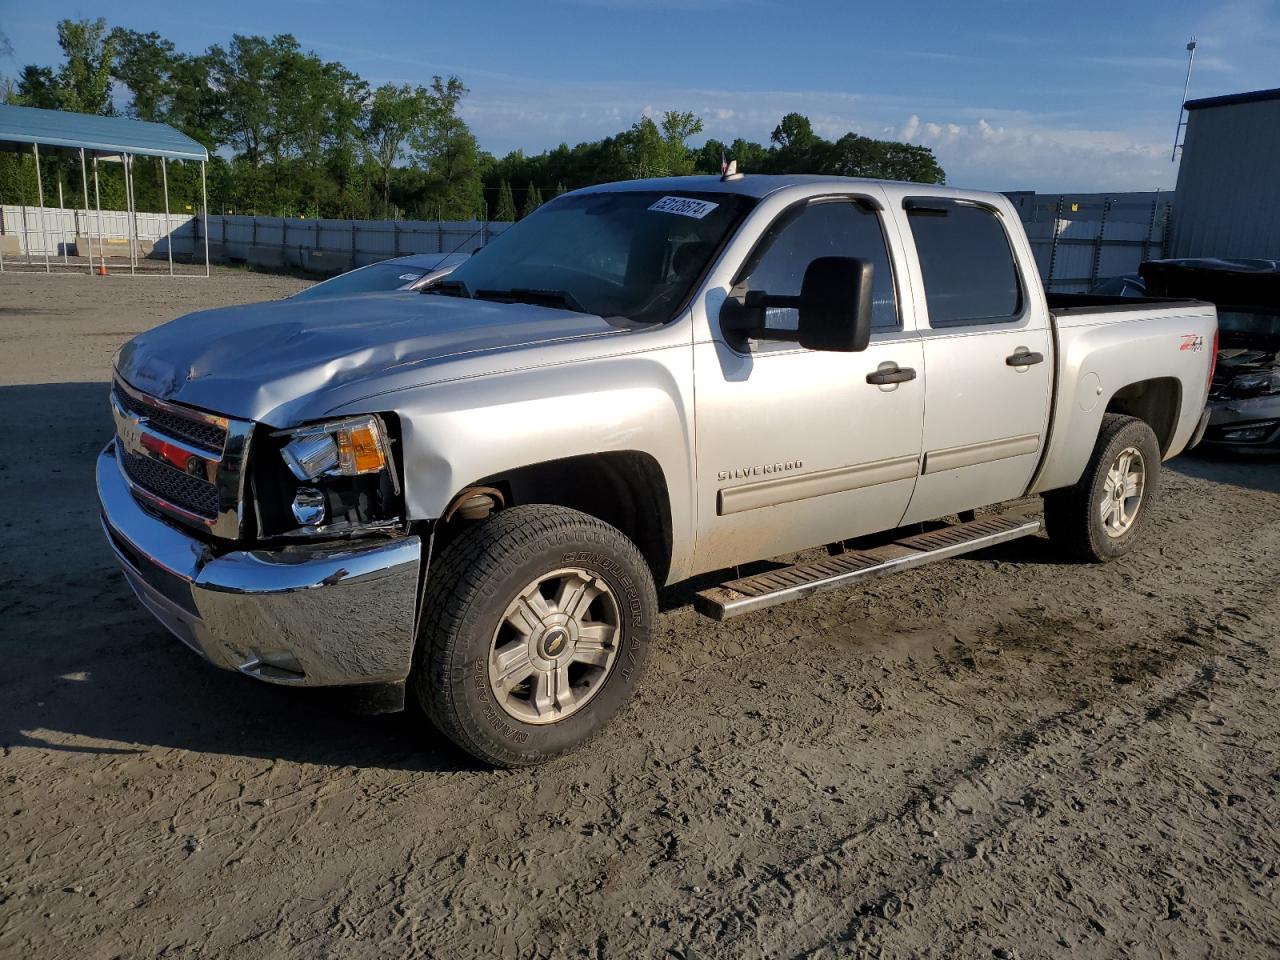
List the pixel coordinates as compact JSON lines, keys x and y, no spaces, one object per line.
{"x":1011,"y":94}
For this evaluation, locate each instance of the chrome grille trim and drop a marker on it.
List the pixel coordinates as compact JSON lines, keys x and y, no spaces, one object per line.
{"x":170,"y":485}
{"x":197,"y":429}
{"x":164,"y":452}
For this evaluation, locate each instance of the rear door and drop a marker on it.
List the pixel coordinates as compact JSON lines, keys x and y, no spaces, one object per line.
{"x":987,"y":358}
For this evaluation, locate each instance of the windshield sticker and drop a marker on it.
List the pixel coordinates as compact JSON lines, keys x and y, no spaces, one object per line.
{"x":684,"y":207}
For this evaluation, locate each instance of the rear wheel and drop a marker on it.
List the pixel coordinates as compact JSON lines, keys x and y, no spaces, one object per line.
{"x":1105,"y":513}
{"x":534,"y":633}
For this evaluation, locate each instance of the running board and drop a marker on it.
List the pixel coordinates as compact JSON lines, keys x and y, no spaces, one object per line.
{"x":773,"y":587}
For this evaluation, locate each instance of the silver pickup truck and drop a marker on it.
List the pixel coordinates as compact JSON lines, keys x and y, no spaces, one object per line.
{"x":469,"y":494}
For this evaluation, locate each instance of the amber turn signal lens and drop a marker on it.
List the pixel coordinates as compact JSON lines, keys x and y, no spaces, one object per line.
{"x":360,"y":448}
{"x":341,"y":448}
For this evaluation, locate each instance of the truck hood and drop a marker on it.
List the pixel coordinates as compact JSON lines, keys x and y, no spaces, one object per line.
{"x":286,"y":362}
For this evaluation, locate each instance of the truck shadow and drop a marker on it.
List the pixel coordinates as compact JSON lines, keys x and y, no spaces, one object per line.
{"x":87,"y":670}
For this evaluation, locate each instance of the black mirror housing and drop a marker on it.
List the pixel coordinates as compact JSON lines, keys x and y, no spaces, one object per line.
{"x":834,"y":308}
{"x":835,"y":305}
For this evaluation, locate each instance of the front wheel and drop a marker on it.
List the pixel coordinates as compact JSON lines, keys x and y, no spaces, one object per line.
{"x":1104,"y":514}
{"x":534,"y":633}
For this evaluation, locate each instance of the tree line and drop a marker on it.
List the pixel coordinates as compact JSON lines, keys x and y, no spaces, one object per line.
{"x":291,"y":134}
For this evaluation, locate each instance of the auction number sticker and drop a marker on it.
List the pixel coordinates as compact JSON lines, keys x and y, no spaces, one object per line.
{"x":684,"y":207}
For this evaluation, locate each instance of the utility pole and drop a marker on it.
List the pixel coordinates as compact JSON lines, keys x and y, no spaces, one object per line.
{"x":1186,"y":88}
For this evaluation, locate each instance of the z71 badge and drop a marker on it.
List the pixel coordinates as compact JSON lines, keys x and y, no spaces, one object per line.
{"x":1193,"y":342}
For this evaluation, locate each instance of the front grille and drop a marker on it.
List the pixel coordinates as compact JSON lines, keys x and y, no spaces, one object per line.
{"x":172,"y":485}
{"x":198,"y":433}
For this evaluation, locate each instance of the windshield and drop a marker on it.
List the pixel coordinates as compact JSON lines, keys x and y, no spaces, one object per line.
{"x":379,"y":276}
{"x":628,"y":254}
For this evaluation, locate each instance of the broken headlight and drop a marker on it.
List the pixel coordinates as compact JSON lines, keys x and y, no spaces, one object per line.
{"x":336,"y":478}
{"x":1255,"y":383}
{"x":345,"y":448}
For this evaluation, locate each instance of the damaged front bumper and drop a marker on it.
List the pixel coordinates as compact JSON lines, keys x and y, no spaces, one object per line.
{"x":331,"y":614}
{"x":1251,"y":425}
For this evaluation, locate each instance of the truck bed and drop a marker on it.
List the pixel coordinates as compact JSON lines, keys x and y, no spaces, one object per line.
{"x":1065,"y":304}
{"x":1142,"y":356}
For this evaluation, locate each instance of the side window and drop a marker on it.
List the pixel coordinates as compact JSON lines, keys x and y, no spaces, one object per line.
{"x":968,"y":269}
{"x":824,"y":228}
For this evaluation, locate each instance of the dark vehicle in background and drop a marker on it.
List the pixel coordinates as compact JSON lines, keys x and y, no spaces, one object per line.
{"x":1244,"y":399}
{"x":1126,"y":285}
{"x":401,"y":273}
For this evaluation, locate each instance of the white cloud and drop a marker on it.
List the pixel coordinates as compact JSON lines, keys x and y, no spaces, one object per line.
{"x":1028,"y":155}
{"x":1164,"y":64}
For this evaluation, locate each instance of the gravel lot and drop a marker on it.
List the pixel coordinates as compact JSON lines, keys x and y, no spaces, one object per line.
{"x":999,"y":756}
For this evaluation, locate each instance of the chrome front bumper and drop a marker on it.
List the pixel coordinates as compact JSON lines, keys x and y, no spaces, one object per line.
{"x":312,"y":615}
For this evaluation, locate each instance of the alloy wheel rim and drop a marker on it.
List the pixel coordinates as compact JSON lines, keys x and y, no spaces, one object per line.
{"x":1122,"y":492}
{"x":555,"y":646}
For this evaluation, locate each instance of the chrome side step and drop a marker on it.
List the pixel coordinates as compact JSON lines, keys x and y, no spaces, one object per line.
{"x":791,"y":583}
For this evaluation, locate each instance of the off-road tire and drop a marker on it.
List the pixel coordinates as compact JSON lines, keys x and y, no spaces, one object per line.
{"x":1073,"y":515}
{"x":471,"y":583}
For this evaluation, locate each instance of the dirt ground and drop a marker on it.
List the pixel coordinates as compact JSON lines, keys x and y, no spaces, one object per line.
{"x":1000,"y":756}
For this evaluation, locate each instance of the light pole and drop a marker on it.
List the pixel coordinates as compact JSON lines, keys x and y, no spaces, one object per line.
{"x":1186,"y":88}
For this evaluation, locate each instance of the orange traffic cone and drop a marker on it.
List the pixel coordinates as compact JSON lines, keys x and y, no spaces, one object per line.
{"x":102,"y":266}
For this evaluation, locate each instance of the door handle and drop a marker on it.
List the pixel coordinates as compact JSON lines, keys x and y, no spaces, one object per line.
{"x":1024,"y":358}
{"x":893,"y":374}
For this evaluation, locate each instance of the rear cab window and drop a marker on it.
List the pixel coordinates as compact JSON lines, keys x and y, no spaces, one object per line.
{"x":966,"y":261}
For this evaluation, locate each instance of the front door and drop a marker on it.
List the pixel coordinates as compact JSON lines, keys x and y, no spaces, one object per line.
{"x":794,"y":447}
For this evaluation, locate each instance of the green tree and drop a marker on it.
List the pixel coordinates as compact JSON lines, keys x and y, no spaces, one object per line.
{"x":707,"y":158}
{"x":196,"y":106}
{"x":644,"y":150}
{"x":84,"y":81}
{"x":532,"y":200}
{"x":37,"y":87}
{"x":796,"y":148}
{"x":244,"y":71}
{"x":144,"y":63}
{"x":677,"y":128}
{"x":395,"y":113}
{"x":8,"y":88}
{"x":447,"y":149}
{"x":506,"y":210}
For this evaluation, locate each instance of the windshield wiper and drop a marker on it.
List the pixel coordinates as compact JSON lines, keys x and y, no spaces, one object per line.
{"x":448,"y":288}
{"x":535,"y":296}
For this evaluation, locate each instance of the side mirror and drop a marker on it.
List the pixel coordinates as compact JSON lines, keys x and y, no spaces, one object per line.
{"x":835,"y":305}
{"x":834,"y":308}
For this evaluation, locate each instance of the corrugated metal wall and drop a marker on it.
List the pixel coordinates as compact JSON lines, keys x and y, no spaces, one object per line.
{"x":54,"y":229}
{"x":321,"y":246}
{"x":328,"y":245}
{"x":1091,"y":237}
{"x":1227,"y":202}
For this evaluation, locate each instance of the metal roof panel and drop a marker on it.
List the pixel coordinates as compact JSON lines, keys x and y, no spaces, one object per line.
{"x":1253,"y":96}
{"x":60,"y":128}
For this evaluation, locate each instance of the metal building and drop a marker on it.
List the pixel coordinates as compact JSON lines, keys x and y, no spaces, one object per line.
{"x":1227,"y":202}
{"x":91,"y":139}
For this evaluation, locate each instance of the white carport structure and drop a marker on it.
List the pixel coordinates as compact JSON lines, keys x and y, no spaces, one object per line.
{"x":106,"y":139}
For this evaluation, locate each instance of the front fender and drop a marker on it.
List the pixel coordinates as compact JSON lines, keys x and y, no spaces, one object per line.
{"x":455,"y":433}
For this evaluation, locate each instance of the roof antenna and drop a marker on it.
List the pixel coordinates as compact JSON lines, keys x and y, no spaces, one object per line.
{"x":729,"y":171}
